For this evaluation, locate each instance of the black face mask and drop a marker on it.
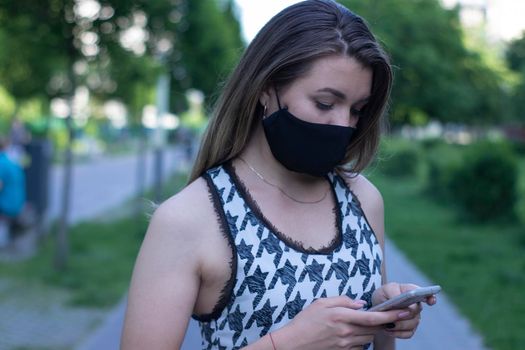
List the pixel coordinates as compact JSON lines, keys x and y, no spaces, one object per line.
{"x":304,"y":147}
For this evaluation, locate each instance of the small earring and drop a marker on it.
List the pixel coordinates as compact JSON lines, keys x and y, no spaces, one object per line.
{"x":264,"y":112}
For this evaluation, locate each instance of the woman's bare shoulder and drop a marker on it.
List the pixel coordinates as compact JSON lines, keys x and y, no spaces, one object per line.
{"x":371,"y":201}
{"x":186,"y":213}
{"x":175,"y":243}
{"x":364,"y":189}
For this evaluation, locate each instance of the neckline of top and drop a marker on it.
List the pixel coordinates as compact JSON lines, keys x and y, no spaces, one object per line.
{"x":250,"y":202}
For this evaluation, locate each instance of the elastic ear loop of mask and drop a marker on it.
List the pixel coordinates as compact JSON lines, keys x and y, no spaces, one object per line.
{"x":277,"y":95}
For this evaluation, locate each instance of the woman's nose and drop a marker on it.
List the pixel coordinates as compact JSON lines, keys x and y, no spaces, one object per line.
{"x":353,"y":119}
{"x":345,"y":118}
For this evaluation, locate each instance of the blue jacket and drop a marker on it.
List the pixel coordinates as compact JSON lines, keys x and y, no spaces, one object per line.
{"x":12,"y":190}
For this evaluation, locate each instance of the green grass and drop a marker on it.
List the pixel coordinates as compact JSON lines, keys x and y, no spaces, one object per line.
{"x":520,"y":205}
{"x":101,"y":259}
{"x":481,"y":267}
{"x":99,"y":265}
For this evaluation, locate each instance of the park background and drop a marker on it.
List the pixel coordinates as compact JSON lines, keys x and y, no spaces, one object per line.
{"x":92,"y":79}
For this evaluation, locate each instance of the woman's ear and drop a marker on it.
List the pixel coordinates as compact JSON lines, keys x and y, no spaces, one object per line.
{"x":264,"y":98}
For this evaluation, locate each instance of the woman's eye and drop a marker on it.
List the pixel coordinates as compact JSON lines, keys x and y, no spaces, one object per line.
{"x":357,"y":112}
{"x":324,"y":106}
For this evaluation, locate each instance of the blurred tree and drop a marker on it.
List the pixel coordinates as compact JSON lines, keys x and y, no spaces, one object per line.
{"x":211,"y":44}
{"x":488,"y":92}
{"x":49,"y":45}
{"x":115,"y":47}
{"x":515,"y":56}
{"x":436,"y":77}
{"x":28,"y":58}
{"x":200,"y":40}
{"x":7,"y":107}
{"x":518,"y":99}
{"x":516,"y":53}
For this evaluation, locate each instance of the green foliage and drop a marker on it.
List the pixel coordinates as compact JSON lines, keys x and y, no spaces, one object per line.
{"x":95,"y":261}
{"x":476,"y":264}
{"x":7,"y":108}
{"x":486,"y":93}
{"x":515,"y":54}
{"x":30,"y":46}
{"x":134,"y":77}
{"x":520,"y":206}
{"x":436,"y":76}
{"x":210,"y":44}
{"x":442,"y":160}
{"x":101,"y":261}
{"x":485,"y":185}
{"x":431,"y":143}
{"x":517,"y":98}
{"x":398,"y":158}
{"x":518,"y":147}
{"x":41,"y":41}
{"x":135,"y":74}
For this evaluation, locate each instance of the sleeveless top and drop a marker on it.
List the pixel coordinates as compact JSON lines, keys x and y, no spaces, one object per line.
{"x":273,"y":278}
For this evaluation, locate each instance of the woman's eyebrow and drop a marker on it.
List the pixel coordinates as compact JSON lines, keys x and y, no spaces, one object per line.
{"x":334,"y":92}
{"x":363,"y":100}
{"x":341,"y":95}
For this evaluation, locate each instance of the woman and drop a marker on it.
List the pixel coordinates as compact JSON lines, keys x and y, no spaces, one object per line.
{"x":274,"y":244}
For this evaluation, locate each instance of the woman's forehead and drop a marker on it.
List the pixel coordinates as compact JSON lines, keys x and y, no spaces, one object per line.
{"x":337,"y":75}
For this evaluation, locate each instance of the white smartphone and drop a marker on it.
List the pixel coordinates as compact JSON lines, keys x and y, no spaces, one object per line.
{"x":406,"y":299}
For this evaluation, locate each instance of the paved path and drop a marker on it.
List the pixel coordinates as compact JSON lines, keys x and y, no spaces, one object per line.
{"x":442,"y":327}
{"x":103,"y":183}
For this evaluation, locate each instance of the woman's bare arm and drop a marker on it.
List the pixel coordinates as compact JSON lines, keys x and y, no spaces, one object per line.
{"x":373,"y":207}
{"x":166,"y":277}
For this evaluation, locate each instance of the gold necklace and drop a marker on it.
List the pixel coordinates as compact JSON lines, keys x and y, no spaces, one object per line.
{"x":279,"y":188}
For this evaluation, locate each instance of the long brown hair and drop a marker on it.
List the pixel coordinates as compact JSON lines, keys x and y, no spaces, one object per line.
{"x":282,"y":51}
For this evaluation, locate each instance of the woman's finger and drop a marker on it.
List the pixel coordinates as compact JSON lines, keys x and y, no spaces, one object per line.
{"x":357,"y":342}
{"x":403,"y":329}
{"x":341,"y":301}
{"x":405,"y":287}
{"x":403,"y":325}
{"x":371,"y":318}
{"x":352,"y":330}
{"x":402,"y":334}
{"x":431,"y":300}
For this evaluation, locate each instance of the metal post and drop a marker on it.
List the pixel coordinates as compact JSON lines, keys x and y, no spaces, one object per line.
{"x":159,"y":138}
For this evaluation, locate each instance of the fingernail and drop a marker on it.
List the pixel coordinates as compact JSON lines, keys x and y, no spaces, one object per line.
{"x":390,"y":325}
{"x":362,"y":302}
{"x":404,"y":314}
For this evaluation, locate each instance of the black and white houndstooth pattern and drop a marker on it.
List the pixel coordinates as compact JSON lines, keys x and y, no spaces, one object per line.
{"x":274,"y":279}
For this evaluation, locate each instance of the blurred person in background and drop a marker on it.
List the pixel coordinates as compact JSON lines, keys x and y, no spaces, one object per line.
{"x":277,"y":242}
{"x":12,"y":191}
{"x":18,"y":138}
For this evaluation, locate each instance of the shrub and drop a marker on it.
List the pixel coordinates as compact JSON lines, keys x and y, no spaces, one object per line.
{"x":521,"y":213}
{"x":441,"y":163}
{"x":399,"y":158}
{"x":431,"y":143}
{"x":485,"y":184}
{"x":519,"y":147}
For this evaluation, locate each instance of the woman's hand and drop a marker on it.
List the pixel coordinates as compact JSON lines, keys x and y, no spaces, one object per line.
{"x":334,"y":323}
{"x":405,"y":328}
